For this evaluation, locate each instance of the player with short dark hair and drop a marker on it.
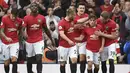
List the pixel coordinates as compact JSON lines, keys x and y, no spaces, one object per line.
{"x":94,"y":44}
{"x":79,"y":21}
{"x":9,"y":29}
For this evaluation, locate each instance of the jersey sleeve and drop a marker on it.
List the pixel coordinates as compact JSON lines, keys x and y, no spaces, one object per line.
{"x":44,"y":22}
{"x":20,"y":25}
{"x":100,"y":28}
{"x":84,"y":32}
{"x":24,"y":23}
{"x":113,"y":27}
{"x":61,"y":26}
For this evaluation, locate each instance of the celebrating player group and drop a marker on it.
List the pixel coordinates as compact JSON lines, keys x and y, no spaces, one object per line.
{"x":83,"y":38}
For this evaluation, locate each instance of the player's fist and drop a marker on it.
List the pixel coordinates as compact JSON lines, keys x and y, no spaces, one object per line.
{"x":101,"y":50}
{"x":71,"y":43}
{"x":8,"y":39}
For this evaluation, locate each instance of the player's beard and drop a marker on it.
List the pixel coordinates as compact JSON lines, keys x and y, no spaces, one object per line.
{"x":34,"y":11}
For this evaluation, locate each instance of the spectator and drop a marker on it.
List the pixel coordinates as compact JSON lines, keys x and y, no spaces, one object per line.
{"x":51,"y":17}
{"x":119,"y":17}
{"x":24,"y":3}
{"x":52,"y":24}
{"x":91,"y":11}
{"x":28,"y":11}
{"x":99,"y":2}
{"x":1,"y":12}
{"x":127,"y":50}
{"x":72,"y":7}
{"x":127,"y":7}
{"x":42,"y":8}
{"x":92,"y":5}
{"x":127,"y":25}
{"x":54,"y":33}
{"x":122,"y":3}
{"x":106,"y":7}
{"x":65,"y":4}
{"x":58,"y":10}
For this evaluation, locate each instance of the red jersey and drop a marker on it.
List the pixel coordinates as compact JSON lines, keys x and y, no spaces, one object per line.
{"x":34,"y":25}
{"x":68,"y":29}
{"x":79,"y":31}
{"x":108,"y":28}
{"x":93,"y":41}
{"x":11,"y":28}
{"x":108,"y":9}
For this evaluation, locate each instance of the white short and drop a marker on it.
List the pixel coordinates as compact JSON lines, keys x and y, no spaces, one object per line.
{"x":94,"y":57}
{"x":81,"y":48}
{"x":34,"y":48}
{"x":108,"y":52}
{"x":10,"y":50}
{"x":65,"y":53}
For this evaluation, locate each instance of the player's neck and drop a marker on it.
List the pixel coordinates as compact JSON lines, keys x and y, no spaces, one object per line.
{"x":106,"y":5}
{"x":79,"y":14}
{"x":34,"y":14}
{"x":67,"y":18}
{"x":94,"y":26}
{"x":50,"y":15}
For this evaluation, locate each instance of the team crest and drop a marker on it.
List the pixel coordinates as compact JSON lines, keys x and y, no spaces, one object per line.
{"x":107,"y":28}
{"x":16,"y":24}
{"x":60,"y":27}
{"x":39,"y":20}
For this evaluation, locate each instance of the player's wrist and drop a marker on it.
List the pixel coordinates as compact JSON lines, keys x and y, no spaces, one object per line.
{"x":5,"y":37}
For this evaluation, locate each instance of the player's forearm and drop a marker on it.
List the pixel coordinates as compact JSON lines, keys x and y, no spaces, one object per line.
{"x":23,"y":30}
{"x":103,"y":42}
{"x":42,"y":6}
{"x":48,"y":34}
{"x":79,"y":38}
{"x":63,"y":36}
{"x":82,"y":20}
{"x":110,"y":36}
{"x":2,"y":33}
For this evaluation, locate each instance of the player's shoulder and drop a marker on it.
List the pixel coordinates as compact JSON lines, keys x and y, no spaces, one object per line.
{"x":86,"y":15}
{"x":98,"y":20}
{"x":27,"y":16}
{"x":99,"y":26}
{"x":5,"y":17}
{"x":41,"y":16}
{"x":62,"y":21}
{"x":20,"y":19}
{"x":112,"y":22}
{"x":86,"y":28}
